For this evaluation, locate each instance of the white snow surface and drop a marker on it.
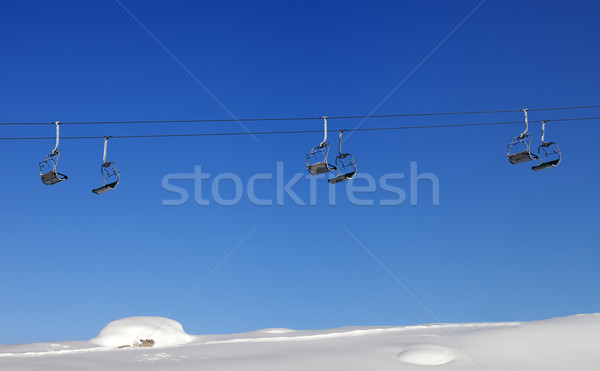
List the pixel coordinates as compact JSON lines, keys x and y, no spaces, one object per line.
{"x":567,"y":343}
{"x":130,"y":331}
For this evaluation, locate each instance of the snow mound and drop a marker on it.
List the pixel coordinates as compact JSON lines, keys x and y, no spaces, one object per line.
{"x":132,"y":330}
{"x":426,"y":355}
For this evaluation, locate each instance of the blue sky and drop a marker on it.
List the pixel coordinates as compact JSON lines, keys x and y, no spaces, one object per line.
{"x":503,"y":244}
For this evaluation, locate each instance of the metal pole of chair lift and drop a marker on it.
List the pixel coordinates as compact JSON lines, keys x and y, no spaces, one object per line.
{"x":57,"y":137}
{"x":325,"y":134}
{"x":526,"y":124}
{"x":340,"y":147}
{"x":105,"y":145}
{"x":543,"y":130}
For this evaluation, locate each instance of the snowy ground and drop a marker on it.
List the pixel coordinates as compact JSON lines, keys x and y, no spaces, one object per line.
{"x":569,"y":343}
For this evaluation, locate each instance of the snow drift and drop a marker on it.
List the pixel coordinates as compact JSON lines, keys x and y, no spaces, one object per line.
{"x":132,"y":331}
{"x":558,"y":344}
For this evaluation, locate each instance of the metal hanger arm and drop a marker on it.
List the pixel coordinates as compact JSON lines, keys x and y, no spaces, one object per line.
{"x":57,"y":137}
{"x":543,"y":131}
{"x":105,"y":146}
{"x":526,"y":124}
{"x":325,"y":133}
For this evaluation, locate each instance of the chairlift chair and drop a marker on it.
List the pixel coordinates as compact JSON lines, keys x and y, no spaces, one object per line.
{"x":48,"y":172}
{"x":548,"y":153}
{"x":110,"y":174}
{"x":345,"y":165}
{"x":519,"y":149}
{"x":316,"y":160}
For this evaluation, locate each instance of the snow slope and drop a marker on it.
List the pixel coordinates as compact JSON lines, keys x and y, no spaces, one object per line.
{"x":569,"y":343}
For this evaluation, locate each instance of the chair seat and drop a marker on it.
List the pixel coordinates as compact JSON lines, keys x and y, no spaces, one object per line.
{"x":319,"y":168}
{"x":341,"y":178}
{"x":546,"y":165}
{"x":52,"y":177}
{"x":520,"y":157}
{"x":105,"y":188}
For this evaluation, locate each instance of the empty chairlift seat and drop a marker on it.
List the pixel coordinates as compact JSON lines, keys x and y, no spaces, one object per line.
{"x":52,"y":177}
{"x":524,"y":151}
{"x":519,"y":149}
{"x":48,"y":172}
{"x":105,"y":188}
{"x":321,"y":167}
{"x":342,"y":177}
{"x":344,"y":164}
{"x":316,"y":159}
{"x":549,"y":156}
{"x":110,"y":174}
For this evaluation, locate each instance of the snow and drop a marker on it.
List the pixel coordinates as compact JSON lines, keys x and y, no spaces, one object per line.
{"x":427,"y":355}
{"x":567,"y":343}
{"x":132,"y":330}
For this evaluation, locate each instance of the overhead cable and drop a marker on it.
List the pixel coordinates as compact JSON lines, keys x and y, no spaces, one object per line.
{"x":297,"y":131}
{"x":266,"y":119}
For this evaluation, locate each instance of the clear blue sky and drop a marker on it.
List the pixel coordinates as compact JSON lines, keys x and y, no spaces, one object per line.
{"x":504,"y":244}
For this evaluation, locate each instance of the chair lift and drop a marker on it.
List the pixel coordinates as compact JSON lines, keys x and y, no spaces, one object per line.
{"x":316,"y":160}
{"x":519,"y":149}
{"x":48,"y":172}
{"x":548,"y":153}
{"x":110,"y":174}
{"x":345,"y":164}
